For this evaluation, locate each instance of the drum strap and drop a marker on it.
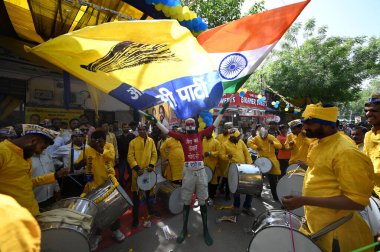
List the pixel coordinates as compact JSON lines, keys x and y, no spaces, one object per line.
{"x":330,"y":227}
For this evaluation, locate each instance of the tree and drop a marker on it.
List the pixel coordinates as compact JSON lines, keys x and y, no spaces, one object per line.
{"x":328,"y":69}
{"x":218,"y":12}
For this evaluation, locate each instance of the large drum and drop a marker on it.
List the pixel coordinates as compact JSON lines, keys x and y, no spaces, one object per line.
{"x":170,"y":195}
{"x":264,"y":164}
{"x":147,"y":180}
{"x":245,"y":179}
{"x":61,"y":235}
{"x":112,"y":203}
{"x":276,"y":230}
{"x":291,"y":184}
{"x":371,"y":215}
{"x":209,"y":173}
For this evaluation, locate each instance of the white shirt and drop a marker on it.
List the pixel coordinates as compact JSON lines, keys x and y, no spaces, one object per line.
{"x":43,"y":164}
{"x":64,"y":153}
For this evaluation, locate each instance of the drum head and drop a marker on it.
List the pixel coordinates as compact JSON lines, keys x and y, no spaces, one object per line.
{"x":233,"y":177}
{"x":147,"y":180}
{"x":278,"y":238}
{"x":209,"y":173}
{"x":264,"y":164}
{"x":175,"y":201}
{"x":291,"y":185}
{"x":63,"y":240}
{"x":373,"y":215}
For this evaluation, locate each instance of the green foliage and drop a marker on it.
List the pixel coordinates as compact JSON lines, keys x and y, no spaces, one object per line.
{"x":257,"y":7}
{"x":328,"y":69}
{"x":218,"y":12}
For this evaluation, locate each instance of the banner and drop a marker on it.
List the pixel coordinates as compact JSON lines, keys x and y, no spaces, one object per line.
{"x":140,"y":63}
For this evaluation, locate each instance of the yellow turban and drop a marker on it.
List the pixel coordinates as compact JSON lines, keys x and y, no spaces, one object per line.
{"x":316,"y":111}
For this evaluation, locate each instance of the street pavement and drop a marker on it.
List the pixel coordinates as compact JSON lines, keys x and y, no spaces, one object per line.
{"x":227,"y":236}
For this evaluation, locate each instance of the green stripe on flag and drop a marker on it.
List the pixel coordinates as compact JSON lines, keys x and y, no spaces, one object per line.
{"x":231,"y":87}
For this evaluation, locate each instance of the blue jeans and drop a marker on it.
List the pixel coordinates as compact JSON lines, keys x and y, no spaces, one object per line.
{"x":247,"y":202}
{"x":121,"y":168}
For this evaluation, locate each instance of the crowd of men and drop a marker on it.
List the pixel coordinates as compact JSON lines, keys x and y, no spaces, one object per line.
{"x":44,"y":161}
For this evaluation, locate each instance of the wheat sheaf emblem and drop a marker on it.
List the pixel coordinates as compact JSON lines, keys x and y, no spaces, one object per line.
{"x":128,"y":54}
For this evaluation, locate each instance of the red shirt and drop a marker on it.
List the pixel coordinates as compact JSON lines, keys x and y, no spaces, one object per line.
{"x":192,"y":143}
{"x":283,"y":154}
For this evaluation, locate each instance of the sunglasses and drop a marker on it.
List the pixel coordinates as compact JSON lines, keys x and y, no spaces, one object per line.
{"x":84,"y":130}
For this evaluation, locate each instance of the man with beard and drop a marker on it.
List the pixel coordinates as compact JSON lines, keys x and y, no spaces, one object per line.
{"x":16,"y":169}
{"x":235,"y":151}
{"x":194,"y":174}
{"x":337,"y":184}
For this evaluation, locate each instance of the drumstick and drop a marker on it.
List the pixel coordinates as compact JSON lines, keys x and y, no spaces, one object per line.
{"x":366,"y":247}
{"x":291,"y":230}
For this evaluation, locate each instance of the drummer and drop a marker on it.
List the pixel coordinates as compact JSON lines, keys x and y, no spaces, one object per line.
{"x":222,"y":169}
{"x":171,"y":150}
{"x":235,"y":151}
{"x":98,"y":159}
{"x":297,"y":143}
{"x":142,"y":155}
{"x":15,"y":165}
{"x":211,"y":148}
{"x":266,"y":145}
{"x":337,"y":184}
{"x":67,"y":155}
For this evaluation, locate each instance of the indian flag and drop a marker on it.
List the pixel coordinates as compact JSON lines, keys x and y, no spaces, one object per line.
{"x":239,"y":47}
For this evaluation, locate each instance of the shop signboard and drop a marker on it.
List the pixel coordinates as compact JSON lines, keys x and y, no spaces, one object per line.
{"x":249,"y":100}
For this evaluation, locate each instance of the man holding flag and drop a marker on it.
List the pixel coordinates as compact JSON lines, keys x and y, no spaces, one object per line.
{"x":194,"y":175}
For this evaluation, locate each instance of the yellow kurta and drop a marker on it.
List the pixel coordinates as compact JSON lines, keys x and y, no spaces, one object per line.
{"x":19,"y":230}
{"x":372,"y":150}
{"x":16,"y":176}
{"x":172,"y":150}
{"x":141,"y":152}
{"x":100,"y":165}
{"x":222,"y":167}
{"x":300,"y":147}
{"x":239,"y":151}
{"x":336,"y":167}
{"x":111,"y":138}
{"x":265,"y":149}
{"x":213,"y":146}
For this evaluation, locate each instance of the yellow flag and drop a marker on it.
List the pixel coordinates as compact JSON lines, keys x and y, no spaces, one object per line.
{"x":141,"y":63}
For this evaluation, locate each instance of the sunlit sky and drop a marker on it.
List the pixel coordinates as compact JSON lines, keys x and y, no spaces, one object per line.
{"x":343,"y":17}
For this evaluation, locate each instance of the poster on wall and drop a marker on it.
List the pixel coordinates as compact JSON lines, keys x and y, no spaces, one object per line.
{"x":49,"y":113}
